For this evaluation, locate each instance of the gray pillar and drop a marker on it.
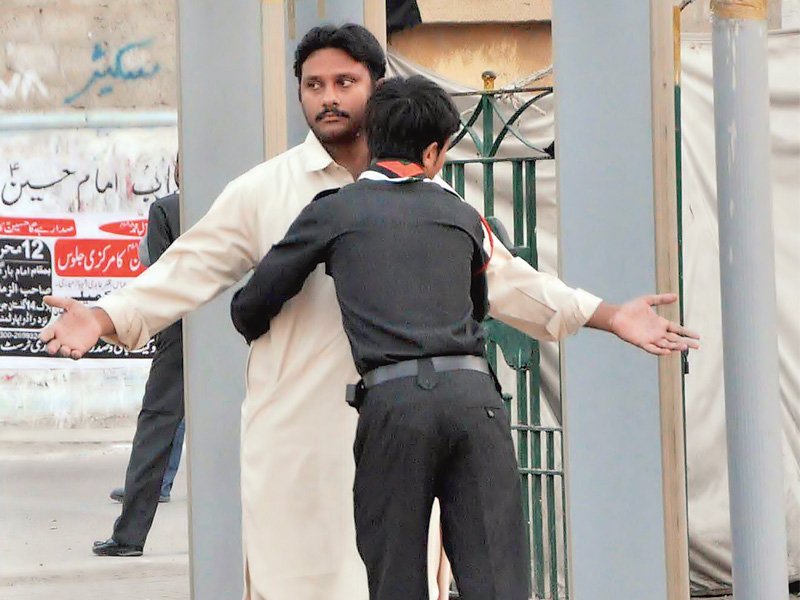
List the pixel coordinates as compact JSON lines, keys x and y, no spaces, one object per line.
{"x":749,"y":322}
{"x":221,"y":136}
{"x":604,"y":125}
{"x":231,"y":101}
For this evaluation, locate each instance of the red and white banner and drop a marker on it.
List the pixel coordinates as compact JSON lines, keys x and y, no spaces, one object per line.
{"x":83,"y":256}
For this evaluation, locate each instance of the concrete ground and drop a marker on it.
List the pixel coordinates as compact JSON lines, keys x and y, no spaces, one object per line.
{"x":54,"y":503}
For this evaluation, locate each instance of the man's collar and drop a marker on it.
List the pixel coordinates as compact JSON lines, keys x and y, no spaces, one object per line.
{"x":316,"y":157}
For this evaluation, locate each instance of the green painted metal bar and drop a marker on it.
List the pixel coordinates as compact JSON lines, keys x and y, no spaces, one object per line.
{"x":488,"y":168}
{"x":479,"y":160}
{"x":523,"y":453}
{"x":679,"y":184}
{"x":530,"y":211}
{"x":564,"y":524}
{"x":503,"y":91}
{"x":447,"y":173}
{"x":564,"y":502}
{"x":679,"y":208}
{"x":538,"y":524}
{"x":551,"y":515}
{"x":518,"y":202}
{"x":488,"y":189}
{"x":460,"y":179}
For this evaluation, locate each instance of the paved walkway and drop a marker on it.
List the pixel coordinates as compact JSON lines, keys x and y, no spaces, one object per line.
{"x":54,"y":503}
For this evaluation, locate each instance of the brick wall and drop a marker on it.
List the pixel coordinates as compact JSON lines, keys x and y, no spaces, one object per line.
{"x":79,"y":54}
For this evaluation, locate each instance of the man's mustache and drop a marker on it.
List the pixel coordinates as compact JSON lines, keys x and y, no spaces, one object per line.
{"x":332,"y":112}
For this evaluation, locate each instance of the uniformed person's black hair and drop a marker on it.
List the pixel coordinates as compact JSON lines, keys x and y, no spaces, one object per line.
{"x":405,"y":116}
{"x":356,"y":40}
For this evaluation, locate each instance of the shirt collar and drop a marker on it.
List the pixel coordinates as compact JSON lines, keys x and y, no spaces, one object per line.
{"x":316,"y":157}
{"x":379,"y":175}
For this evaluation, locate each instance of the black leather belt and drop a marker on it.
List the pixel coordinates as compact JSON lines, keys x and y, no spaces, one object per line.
{"x":412,"y":368}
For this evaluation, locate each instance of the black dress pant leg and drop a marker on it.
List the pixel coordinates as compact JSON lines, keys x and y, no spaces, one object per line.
{"x":161,"y":413}
{"x":396,"y":452}
{"x":483,"y":528}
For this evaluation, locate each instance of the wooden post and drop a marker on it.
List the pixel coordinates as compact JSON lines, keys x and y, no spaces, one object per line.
{"x":673,"y":434}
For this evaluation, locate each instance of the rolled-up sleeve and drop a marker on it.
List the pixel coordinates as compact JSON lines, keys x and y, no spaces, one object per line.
{"x":209,"y":258}
{"x":538,"y":304}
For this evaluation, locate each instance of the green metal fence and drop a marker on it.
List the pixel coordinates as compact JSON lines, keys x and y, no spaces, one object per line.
{"x":539,"y":447}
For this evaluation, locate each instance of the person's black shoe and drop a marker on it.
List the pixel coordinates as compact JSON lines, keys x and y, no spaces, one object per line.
{"x":119,"y":493}
{"x":111,"y":548}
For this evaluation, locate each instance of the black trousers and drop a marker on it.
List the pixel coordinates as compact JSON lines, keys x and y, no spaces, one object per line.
{"x":162,"y":412}
{"x":452,"y":442}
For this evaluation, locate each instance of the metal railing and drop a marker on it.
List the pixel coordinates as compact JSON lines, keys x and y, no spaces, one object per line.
{"x":539,"y":447}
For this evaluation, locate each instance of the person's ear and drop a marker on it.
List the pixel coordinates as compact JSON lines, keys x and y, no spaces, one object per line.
{"x":430,"y":156}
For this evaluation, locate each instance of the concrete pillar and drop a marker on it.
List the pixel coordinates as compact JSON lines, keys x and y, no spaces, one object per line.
{"x":238,"y":105}
{"x":616,"y":181}
{"x":220,"y":120}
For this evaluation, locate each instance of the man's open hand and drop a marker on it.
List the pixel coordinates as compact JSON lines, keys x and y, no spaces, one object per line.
{"x":637,"y":323}
{"x":74,"y":332}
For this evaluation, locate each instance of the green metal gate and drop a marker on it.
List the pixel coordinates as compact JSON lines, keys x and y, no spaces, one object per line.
{"x":539,"y":447}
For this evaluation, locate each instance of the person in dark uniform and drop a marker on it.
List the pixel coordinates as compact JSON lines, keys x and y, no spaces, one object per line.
{"x":407,"y":259}
{"x":161,"y":416}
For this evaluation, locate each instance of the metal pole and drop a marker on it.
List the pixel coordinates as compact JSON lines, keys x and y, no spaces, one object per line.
{"x":746,"y":248}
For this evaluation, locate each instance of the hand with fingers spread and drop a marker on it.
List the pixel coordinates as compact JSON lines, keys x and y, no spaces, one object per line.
{"x":637,"y":323}
{"x":76,"y":330}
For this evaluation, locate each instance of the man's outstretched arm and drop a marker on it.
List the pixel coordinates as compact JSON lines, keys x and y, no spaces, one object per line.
{"x":77,"y":329}
{"x":637,"y":323}
{"x":207,"y":259}
{"x":544,"y":307}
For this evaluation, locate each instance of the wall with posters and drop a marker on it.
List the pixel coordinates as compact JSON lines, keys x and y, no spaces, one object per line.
{"x":74,"y":201}
{"x":73,"y":208}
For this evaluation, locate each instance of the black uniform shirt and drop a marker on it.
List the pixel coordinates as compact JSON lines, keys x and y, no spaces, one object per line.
{"x":407,"y":261}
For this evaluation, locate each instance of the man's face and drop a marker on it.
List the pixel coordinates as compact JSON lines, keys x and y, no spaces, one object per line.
{"x":334,"y":90}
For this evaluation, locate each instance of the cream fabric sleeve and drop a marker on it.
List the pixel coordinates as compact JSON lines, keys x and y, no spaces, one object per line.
{"x":538,"y":304}
{"x":207,"y":259}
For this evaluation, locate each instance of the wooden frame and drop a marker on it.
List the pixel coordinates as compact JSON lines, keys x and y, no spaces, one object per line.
{"x":673,"y":451}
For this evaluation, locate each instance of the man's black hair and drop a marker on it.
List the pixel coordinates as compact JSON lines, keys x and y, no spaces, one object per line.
{"x":405,"y":116}
{"x":355,"y":40}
